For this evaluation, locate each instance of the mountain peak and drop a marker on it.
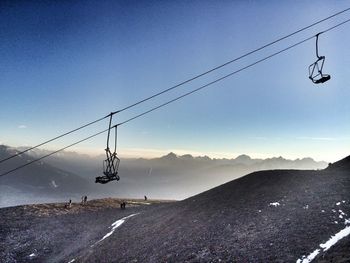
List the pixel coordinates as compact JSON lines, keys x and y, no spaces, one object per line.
{"x":187,"y":157}
{"x":169,"y":156}
{"x":203,"y":158}
{"x":243,"y":157}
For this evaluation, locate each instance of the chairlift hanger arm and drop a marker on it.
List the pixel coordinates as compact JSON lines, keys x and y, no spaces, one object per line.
{"x":109,"y":128}
{"x":317,"y":35}
{"x":317,"y":46}
{"x":115,"y":139}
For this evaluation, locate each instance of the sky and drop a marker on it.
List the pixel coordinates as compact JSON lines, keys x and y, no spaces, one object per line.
{"x":66,"y":63}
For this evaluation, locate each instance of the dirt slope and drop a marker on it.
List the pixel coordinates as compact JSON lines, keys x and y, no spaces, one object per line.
{"x":267,"y":216}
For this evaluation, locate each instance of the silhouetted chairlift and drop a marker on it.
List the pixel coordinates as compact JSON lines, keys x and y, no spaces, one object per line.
{"x":111,"y":164}
{"x":315,"y":69}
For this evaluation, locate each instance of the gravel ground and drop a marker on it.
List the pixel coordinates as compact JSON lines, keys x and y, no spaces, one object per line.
{"x":267,"y":216}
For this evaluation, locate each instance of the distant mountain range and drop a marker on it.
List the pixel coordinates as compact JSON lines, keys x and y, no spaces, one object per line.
{"x":36,"y":182}
{"x":70,"y":174}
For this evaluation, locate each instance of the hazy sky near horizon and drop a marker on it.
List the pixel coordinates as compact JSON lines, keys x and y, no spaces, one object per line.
{"x":66,"y":63}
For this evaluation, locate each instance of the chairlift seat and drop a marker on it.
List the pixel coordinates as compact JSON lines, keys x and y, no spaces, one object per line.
{"x":315,"y":71}
{"x":106,"y":179}
{"x":324,"y":78}
{"x":110,"y":168}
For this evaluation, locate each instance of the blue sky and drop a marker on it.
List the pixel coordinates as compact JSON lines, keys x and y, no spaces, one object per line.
{"x":70,"y":62}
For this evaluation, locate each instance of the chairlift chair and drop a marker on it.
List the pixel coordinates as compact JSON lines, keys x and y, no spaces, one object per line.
{"x":111,"y":164}
{"x":315,"y":69}
{"x":110,"y":168}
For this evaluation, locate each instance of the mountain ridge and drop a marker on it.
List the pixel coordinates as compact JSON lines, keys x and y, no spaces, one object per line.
{"x":170,"y":155}
{"x":167,"y":177}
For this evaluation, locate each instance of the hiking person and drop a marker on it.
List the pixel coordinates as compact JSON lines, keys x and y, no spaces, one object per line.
{"x":145,"y":198}
{"x":85,"y":199}
{"x":69,"y":204}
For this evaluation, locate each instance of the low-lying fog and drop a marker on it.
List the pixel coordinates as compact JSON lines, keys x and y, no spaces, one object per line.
{"x":71,"y":175}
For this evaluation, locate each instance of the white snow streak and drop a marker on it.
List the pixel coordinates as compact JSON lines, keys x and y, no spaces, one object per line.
{"x":309,"y":258}
{"x":32,"y":255}
{"x":275,"y":204}
{"x":332,"y":241}
{"x":138,"y":203}
{"x":71,"y":260}
{"x":114,"y":226}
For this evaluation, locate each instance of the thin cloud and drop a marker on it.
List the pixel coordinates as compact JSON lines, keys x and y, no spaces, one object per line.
{"x":22,"y":126}
{"x":318,"y":138}
{"x":260,"y":138}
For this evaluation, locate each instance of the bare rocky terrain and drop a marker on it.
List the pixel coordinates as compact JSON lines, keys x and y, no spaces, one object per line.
{"x":267,"y":216}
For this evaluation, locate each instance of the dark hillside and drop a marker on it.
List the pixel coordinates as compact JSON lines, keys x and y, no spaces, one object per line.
{"x":275,"y":216}
{"x":266,"y":216}
{"x":343,"y":164}
{"x":238,"y":221}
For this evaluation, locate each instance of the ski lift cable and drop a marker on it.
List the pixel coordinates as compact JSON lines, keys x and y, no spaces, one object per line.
{"x":53,"y":139}
{"x":214,"y":81}
{"x":333,"y":27}
{"x":177,"y":98}
{"x":178,"y":85}
{"x":52,"y":153}
{"x":233,"y":60}
{"x":232,"y":73}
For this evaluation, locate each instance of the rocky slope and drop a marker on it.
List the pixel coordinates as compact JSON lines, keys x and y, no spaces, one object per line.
{"x":266,"y":216}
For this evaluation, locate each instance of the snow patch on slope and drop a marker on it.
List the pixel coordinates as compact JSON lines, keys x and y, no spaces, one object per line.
{"x":114,"y":226}
{"x":333,"y":240}
{"x":325,"y":246}
{"x":309,"y":258}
